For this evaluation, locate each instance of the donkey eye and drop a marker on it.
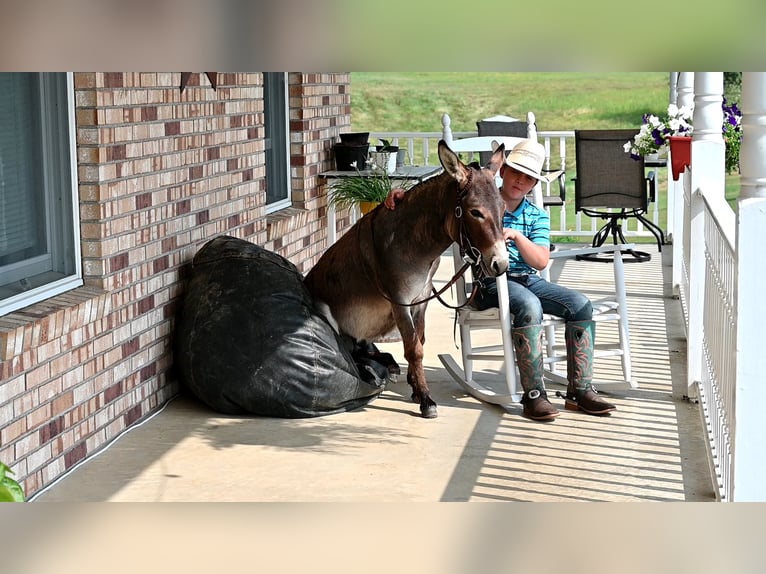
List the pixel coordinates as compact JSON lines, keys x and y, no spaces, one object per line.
{"x":477,"y":214}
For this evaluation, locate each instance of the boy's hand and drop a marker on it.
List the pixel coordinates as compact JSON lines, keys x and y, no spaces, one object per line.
{"x":394,"y":196}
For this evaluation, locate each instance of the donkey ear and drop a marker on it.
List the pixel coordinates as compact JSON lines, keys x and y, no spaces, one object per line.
{"x":452,"y":164}
{"x":497,"y":159}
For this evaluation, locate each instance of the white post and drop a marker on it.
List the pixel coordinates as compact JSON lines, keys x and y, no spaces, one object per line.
{"x":537,"y":191}
{"x":446,"y":129}
{"x":749,"y":464}
{"x":685,"y":97}
{"x":707,"y":162}
{"x":670,"y":218}
{"x":673,"y":81}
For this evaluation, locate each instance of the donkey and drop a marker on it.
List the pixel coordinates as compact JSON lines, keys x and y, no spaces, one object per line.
{"x":378,"y":274}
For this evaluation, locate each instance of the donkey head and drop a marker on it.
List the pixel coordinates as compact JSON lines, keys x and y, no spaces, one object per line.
{"x":479,"y":210}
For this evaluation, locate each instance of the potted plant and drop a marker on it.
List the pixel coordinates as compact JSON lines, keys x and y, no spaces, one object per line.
{"x":353,"y":148}
{"x":364,"y":190}
{"x":653,"y":136}
{"x":384,"y":156}
{"x":657,"y":135}
{"x":10,"y":490}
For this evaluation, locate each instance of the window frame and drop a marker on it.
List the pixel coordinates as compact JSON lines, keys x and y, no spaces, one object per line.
{"x":276,"y":107}
{"x":67,"y":221}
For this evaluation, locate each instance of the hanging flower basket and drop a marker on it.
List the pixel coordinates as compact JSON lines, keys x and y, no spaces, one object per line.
{"x":680,"y":154}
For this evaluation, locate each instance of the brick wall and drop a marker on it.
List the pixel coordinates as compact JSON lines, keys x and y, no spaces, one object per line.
{"x":160,"y":173}
{"x":320,"y":108}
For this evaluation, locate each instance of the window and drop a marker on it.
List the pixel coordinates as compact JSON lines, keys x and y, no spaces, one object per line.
{"x":277,"y":140}
{"x":39,"y":223}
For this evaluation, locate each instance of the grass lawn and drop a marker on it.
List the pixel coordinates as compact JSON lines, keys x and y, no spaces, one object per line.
{"x":412,"y":101}
{"x":415,"y":101}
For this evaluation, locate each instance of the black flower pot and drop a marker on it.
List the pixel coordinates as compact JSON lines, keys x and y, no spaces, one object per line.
{"x":355,"y":138}
{"x":348,"y":155}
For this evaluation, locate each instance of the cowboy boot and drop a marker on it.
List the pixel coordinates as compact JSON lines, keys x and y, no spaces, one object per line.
{"x":581,"y":395}
{"x":528,"y":344}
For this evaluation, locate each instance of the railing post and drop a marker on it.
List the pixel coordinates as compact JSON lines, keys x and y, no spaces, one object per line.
{"x":749,"y":452}
{"x":707,"y":170}
{"x":676,"y":204}
{"x":671,"y":206}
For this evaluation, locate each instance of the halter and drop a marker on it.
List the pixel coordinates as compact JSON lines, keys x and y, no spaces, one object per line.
{"x":468,"y":252}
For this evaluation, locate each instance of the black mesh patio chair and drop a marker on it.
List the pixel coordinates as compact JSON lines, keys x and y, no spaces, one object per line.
{"x":611,"y":185}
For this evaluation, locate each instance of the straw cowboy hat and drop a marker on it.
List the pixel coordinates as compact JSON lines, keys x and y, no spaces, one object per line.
{"x":528,"y":156}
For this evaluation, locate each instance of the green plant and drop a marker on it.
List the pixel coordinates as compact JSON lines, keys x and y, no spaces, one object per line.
{"x":10,"y":490}
{"x":372,"y":187}
{"x":386,"y":145}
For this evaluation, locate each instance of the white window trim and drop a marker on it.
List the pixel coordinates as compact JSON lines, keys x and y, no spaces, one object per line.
{"x":75,"y":280}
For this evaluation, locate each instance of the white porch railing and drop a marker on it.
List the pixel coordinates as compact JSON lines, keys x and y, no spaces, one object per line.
{"x":421,"y":150}
{"x":719,"y":274}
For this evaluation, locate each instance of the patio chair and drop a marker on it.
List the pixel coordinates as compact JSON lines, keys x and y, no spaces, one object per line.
{"x":611,"y":185}
{"x":469,"y":319}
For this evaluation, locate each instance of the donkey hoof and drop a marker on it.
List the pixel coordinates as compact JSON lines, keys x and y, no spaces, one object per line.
{"x":428,"y":411}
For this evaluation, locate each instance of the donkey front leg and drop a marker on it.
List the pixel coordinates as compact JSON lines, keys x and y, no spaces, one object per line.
{"x":416,"y":377}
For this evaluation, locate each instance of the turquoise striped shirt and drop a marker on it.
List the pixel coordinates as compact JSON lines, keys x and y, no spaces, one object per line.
{"x":534,"y":223}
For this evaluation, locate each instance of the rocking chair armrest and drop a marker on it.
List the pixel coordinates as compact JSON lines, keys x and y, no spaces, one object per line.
{"x":562,"y":197}
{"x":563,"y":186}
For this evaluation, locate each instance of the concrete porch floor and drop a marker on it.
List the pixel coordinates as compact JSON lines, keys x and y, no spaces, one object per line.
{"x":652,"y":448}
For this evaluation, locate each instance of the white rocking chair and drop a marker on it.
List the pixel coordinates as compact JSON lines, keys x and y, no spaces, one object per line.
{"x":468,"y":318}
{"x":500,"y":318}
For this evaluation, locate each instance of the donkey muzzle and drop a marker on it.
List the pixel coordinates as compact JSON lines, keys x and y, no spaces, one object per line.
{"x":496,"y":262}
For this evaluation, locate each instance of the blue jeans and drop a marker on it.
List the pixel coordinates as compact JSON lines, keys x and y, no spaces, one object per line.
{"x":530,"y":296}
